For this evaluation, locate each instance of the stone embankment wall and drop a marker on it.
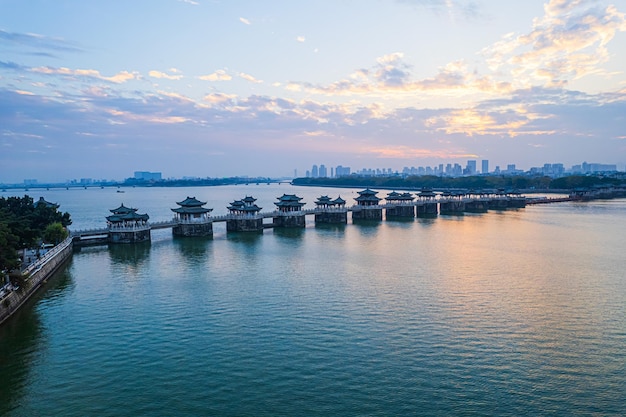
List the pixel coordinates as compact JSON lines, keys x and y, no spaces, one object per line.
{"x":38,"y":274}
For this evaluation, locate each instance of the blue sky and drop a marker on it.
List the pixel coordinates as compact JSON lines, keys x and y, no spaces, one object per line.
{"x":219,"y":88}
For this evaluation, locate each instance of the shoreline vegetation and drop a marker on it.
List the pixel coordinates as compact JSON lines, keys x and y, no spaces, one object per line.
{"x":522,"y":183}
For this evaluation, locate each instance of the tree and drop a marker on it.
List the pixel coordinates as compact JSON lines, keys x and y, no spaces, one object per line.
{"x":8,"y":253}
{"x":54,"y":233}
{"x":22,"y":223}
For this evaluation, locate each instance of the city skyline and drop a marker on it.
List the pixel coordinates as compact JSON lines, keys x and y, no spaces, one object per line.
{"x":210,"y":88}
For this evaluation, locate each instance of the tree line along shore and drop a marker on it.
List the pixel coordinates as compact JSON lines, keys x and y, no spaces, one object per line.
{"x":543,"y":184}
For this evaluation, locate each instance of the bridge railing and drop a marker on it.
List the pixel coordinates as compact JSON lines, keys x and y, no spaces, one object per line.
{"x":89,"y":231}
{"x":51,"y":253}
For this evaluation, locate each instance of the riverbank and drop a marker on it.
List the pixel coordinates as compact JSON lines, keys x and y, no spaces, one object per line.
{"x":13,"y":296}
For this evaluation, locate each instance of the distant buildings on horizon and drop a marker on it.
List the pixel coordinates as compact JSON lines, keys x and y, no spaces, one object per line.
{"x":456,"y":170}
{"x":448,"y":170}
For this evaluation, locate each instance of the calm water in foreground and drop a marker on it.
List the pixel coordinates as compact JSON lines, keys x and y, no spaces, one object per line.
{"x":507,"y":313}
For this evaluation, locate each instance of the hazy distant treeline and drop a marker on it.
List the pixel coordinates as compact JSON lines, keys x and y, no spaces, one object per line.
{"x":474,"y":182}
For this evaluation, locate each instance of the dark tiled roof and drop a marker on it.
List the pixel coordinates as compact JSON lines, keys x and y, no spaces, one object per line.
{"x":191,"y":210}
{"x":122,"y":209}
{"x":116,"y":218}
{"x":42,"y":202}
{"x":191,"y":202}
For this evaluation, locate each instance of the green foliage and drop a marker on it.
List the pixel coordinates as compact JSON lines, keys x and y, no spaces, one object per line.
{"x":54,"y":233}
{"x":8,"y":244}
{"x":22,"y":223}
{"x":467,"y":183}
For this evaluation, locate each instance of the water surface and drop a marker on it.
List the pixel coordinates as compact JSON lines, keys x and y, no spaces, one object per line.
{"x":517,"y":312}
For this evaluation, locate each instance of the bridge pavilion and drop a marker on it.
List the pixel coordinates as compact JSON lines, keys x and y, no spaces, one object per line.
{"x":290,"y":212}
{"x":245,"y":216}
{"x":127,"y":226}
{"x":367,"y":206}
{"x":400,"y":205}
{"x":331,"y":211}
{"x":427,"y":204}
{"x":192,"y":219}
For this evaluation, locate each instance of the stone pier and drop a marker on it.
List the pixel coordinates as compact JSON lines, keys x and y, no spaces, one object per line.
{"x":367,"y":207}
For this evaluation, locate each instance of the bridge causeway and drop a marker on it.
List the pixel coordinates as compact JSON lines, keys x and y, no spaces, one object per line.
{"x":168,"y":224}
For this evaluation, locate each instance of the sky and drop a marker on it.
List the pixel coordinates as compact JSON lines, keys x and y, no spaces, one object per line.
{"x":210,"y":88}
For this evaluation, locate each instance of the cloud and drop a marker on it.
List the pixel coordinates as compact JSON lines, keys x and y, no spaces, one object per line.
{"x":244,"y":21}
{"x":219,"y":98}
{"x":249,"y":77}
{"x":158,"y":74}
{"x":408,"y":152}
{"x":192,"y":2}
{"x":567,"y":43}
{"x":301,"y":39}
{"x":219,"y":75}
{"x":392,"y":75}
{"x":11,"y":65}
{"x":32,"y":40}
{"x":120,"y":77}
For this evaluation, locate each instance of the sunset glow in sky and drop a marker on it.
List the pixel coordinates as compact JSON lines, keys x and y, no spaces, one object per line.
{"x":220,"y":88}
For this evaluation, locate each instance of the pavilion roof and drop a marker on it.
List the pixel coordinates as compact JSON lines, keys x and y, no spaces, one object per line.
{"x":43,"y":202}
{"x":251,"y":208}
{"x":191,"y":202}
{"x":289,"y":197}
{"x":368,"y":198}
{"x":426,"y":192}
{"x":339,"y":201}
{"x":323,"y":200}
{"x":191,"y":210}
{"x":244,"y":205}
{"x":116,"y":218}
{"x":367,"y":191}
{"x":122,"y":209}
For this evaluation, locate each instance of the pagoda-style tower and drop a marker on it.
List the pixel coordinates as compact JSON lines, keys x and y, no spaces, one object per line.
{"x":516,"y":199}
{"x":498,"y":200}
{"x":244,"y":216}
{"x":289,"y":210}
{"x":44,"y":203}
{"x":367,"y":206}
{"x":331,"y":211}
{"x":127,"y":226}
{"x":476,"y":202}
{"x":451,"y":203}
{"x":399,"y":205}
{"x":192,"y":218}
{"x":427,"y":203}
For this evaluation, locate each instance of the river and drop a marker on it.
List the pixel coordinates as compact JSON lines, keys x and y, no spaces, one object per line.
{"x":514,"y":312}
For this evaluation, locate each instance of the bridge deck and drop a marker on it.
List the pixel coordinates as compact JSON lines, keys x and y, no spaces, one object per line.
{"x":265,"y":215}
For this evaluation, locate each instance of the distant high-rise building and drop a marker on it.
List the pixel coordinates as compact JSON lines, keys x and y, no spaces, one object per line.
{"x":485,"y":166}
{"x":314,"y":172}
{"x":470,"y":169}
{"x":147,"y":176}
{"x":332,"y":172}
{"x":342,"y":171}
{"x":323,"y":172}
